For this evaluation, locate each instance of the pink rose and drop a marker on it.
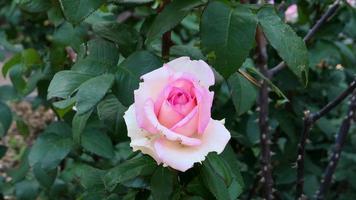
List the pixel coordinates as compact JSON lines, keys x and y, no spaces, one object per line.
{"x":291,"y":14}
{"x":352,"y":3}
{"x":171,"y":120}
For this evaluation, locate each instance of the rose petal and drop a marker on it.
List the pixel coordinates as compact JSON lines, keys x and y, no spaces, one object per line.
{"x":153,"y":84}
{"x":168,"y":116}
{"x":181,"y":157}
{"x":170,"y":135}
{"x":197,"y":68}
{"x":204,"y":102}
{"x":188,"y":125}
{"x":140,"y":139}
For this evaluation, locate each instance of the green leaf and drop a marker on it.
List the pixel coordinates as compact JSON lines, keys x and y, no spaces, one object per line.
{"x":243,"y":93}
{"x":213,"y":182}
{"x":76,"y":11}
{"x":126,"y":37}
{"x":162,"y":182}
{"x":129,"y":73}
{"x":26,"y":60}
{"x":92,"y":91}
{"x":65,"y":83}
{"x":227,"y":35}
{"x":68,"y":35}
{"x":111,"y":111}
{"x":44,"y":177}
{"x":288,"y":44}
{"x":187,"y":50}
{"x":128,"y":170}
{"x":171,"y":15}
{"x":5,"y":119}
{"x":19,"y":173}
{"x":3,"y":150}
{"x":35,"y":6}
{"x":51,"y":147}
{"x":78,"y":124}
{"x":26,"y":190}
{"x":90,"y":178}
{"x":99,"y":56}
{"x":98,"y":143}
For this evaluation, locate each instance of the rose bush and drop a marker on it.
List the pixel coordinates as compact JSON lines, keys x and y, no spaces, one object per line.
{"x":171,"y":120}
{"x":127,"y":126}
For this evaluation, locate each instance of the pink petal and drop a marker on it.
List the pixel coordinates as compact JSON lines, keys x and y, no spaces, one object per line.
{"x":189,"y":125}
{"x":153,"y":84}
{"x":204,"y":102}
{"x":181,"y":158}
{"x":167,"y":133}
{"x":197,"y":68}
{"x":168,"y":116}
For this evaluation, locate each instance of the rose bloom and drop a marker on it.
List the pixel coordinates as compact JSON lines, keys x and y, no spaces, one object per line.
{"x":352,"y":3}
{"x":291,"y":14}
{"x":170,"y":119}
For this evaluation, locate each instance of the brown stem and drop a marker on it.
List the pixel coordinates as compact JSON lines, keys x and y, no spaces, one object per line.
{"x":166,"y":38}
{"x":309,"y":120}
{"x":330,"y":12}
{"x":263,"y":117}
{"x":339,"y":143}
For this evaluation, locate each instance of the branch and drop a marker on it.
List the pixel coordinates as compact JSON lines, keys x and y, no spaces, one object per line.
{"x":309,"y":120}
{"x":166,"y":38}
{"x":331,"y":11}
{"x":263,"y":117}
{"x":339,"y":143}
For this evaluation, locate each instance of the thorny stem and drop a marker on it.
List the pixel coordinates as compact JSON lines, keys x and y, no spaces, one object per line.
{"x":330,"y":12}
{"x":339,"y":143}
{"x":166,"y":38}
{"x":309,"y":120}
{"x":263,"y":117}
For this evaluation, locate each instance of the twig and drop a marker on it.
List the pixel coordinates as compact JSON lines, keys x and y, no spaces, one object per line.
{"x":339,"y":143}
{"x":263,"y":117}
{"x":331,"y":11}
{"x":166,"y":38}
{"x":309,"y":120}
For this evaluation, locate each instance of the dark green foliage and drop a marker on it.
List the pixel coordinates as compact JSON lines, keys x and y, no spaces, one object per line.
{"x":85,"y":58}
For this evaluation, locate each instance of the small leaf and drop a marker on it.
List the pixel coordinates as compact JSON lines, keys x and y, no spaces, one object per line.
{"x":129,"y":73}
{"x":98,"y":143}
{"x":214,"y":183}
{"x":51,"y":147}
{"x":130,"y":169}
{"x":243,"y":93}
{"x":162,"y":183}
{"x":35,"y":6}
{"x":78,"y":124}
{"x":3,"y":150}
{"x":289,"y":46}
{"x":228,"y":35}
{"x":99,"y":57}
{"x":125,"y":36}
{"x":65,"y":83}
{"x":171,"y":15}
{"x":44,"y":177}
{"x":76,"y":11}
{"x":26,"y":190}
{"x":92,"y":91}
{"x":5,"y":119}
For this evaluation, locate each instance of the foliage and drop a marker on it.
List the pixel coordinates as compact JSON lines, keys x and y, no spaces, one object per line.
{"x":84,"y":59}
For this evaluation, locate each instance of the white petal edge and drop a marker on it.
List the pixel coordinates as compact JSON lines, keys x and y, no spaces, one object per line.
{"x":200,"y":69}
{"x":182,"y":158}
{"x":140,"y":139}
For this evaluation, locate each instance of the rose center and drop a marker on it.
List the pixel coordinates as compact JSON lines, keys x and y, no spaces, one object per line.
{"x":178,"y":97}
